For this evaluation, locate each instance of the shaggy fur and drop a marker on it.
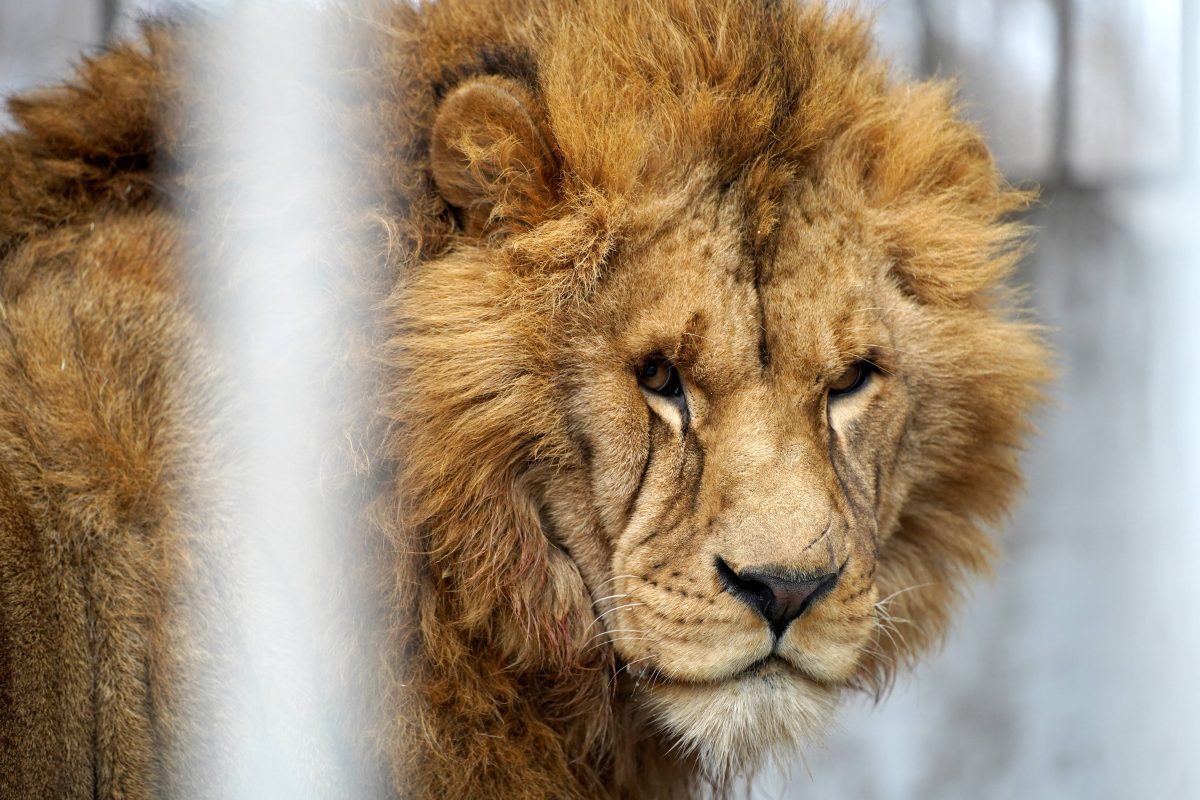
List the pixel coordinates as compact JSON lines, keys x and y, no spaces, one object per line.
{"x":553,"y":193}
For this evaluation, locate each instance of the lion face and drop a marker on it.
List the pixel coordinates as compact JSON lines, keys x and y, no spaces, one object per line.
{"x":740,"y":377}
{"x":742,"y":428}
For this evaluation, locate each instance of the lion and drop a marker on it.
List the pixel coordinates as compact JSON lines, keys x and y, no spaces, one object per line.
{"x":703,"y":384}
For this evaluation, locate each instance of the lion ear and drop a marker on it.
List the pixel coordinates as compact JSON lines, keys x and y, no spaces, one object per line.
{"x":490,"y":157}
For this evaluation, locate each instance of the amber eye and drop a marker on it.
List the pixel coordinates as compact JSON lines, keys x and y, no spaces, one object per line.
{"x":659,"y":376}
{"x":853,"y":378}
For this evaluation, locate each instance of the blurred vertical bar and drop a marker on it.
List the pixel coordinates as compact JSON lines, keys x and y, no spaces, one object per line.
{"x":1190,"y":44}
{"x":265,"y":202}
{"x":1060,"y":170}
{"x":1002,"y":54}
{"x":1126,"y":90}
{"x":109,"y":11}
{"x":899,"y":33}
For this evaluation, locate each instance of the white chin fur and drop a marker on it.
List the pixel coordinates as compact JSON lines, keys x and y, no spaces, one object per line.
{"x":732,"y":726}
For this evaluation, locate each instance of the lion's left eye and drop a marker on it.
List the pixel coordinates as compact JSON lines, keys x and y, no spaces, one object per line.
{"x":660,"y":376}
{"x":853,"y":378}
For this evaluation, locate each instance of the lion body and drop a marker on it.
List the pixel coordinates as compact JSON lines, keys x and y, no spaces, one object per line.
{"x":555,"y":194}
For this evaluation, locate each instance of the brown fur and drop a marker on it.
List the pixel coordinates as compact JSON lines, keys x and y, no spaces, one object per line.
{"x":556,"y":192}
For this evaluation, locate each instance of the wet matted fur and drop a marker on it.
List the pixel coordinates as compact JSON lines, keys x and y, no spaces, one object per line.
{"x":676,"y":302}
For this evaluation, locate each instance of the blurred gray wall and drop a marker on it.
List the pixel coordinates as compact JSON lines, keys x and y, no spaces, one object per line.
{"x":1073,"y":674}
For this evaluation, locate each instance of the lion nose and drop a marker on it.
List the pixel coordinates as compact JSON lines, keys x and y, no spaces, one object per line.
{"x":780,"y":597}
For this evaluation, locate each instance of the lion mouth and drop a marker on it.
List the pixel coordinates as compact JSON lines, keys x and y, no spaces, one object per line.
{"x":774,"y":666}
{"x":766,"y":666}
{"x":769,"y":667}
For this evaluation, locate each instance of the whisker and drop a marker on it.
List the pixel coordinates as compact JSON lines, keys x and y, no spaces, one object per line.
{"x":891,"y":347}
{"x":617,"y":608}
{"x":625,"y":668}
{"x":609,"y":633}
{"x":615,"y":578}
{"x":618,"y":597}
{"x":902,"y":591}
{"x":892,"y":634}
{"x":621,"y":639}
{"x":884,"y":370}
{"x":876,"y":653}
{"x":610,"y":597}
{"x":629,"y":664}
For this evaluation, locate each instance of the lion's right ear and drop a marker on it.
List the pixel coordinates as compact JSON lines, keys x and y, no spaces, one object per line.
{"x":490,"y":156}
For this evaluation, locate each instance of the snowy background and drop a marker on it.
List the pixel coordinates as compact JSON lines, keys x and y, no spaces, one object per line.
{"x":1073,"y":674}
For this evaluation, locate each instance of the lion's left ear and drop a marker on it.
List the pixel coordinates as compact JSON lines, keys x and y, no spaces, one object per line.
{"x":491,"y":158}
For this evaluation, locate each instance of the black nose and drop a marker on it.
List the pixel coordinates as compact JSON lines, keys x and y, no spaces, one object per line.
{"x":779,"y":599}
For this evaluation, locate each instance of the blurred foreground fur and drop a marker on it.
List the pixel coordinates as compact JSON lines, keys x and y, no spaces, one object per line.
{"x":548,"y":193}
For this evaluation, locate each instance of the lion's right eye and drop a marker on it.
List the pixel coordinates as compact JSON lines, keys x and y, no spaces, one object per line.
{"x":660,"y":376}
{"x":853,"y":378}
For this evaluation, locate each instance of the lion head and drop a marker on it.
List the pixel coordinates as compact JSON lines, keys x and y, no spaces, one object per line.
{"x":712,"y":388}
